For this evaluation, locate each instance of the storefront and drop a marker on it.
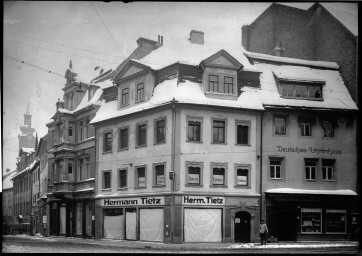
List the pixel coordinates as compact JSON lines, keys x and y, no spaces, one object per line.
{"x":310,"y":216}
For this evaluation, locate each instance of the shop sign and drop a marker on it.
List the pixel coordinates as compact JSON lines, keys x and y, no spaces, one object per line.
{"x":193,"y":179}
{"x":218,"y":179}
{"x":242,"y":180}
{"x":313,"y":150}
{"x":160,"y":179}
{"x":151,"y":200}
{"x":142,"y":181}
{"x":203,"y":200}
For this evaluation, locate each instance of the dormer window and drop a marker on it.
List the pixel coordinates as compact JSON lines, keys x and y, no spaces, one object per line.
{"x":213,"y":83}
{"x":125,"y":96}
{"x":220,"y":83}
{"x":301,"y":91}
{"x":140,"y":88}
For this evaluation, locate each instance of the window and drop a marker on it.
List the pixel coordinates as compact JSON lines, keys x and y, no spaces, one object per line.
{"x":159,"y":174}
{"x":242,"y":175}
{"x":81,"y":167}
{"x":140,"y":92}
{"x":311,"y":220}
{"x":275,"y":168}
{"x":213,"y":83}
{"x":85,"y":129}
{"x":310,"y":169}
{"x":70,"y":130}
{"x":81,"y":131}
{"x":141,"y":135}
{"x":218,"y":131}
{"x":194,"y":173}
{"x":194,"y":128}
{"x":160,"y":130}
{"x":218,"y":176}
{"x":301,"y":91}
{"x":327,"y":169}
{"x":123,"y":138}
{"x":71,"y":100}
{"x":125,"y":97}
{"x":328,"y":129}
{"x":107,"y":142}
{"x":336,"y":221}
{"x":106,"y":179}
{"x":242,"y":132}
{"x":305,"y":129}
{"x":280,"y":125}
{"x":122,"y":178}
{"x":141,"y":177}
{"x":228,"y":85}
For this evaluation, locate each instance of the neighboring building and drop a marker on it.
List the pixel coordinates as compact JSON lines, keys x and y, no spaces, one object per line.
{"x":176,"y":150}
{"x":39,"y":174}
{"x":7,"y":199}
{"x":324,"y":32}
{"x":309,"y":151}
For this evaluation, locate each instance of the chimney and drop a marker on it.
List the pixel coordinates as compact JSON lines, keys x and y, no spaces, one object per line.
{"x":197,"y":37}
{"x":160,"y":40}
{"x":59,"y":104}
{"x":278,"y":50}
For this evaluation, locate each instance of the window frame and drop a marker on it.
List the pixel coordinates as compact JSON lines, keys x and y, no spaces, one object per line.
{"x":302,"y":126}
{"x":329,"y":164}
{"x":330,"y":123}
{"x":119,"y":183}
{"x":302,"y":221}
{"x":137,"y":90}
{"x":104,"y":141}
{"x":213,"y":166}
{"x":282,"y":168}
{"x":225,"y":130}
{"x":127,"y":98}
{"x":104,"y":180}
{"x":156,"y":121}
{"x":154,"y":169}
{"x":309,"y":169}
{"x":246,"y":167}
{"x":120,"y":137}
{"x":246,"y":123}
{"x":220,"y":83}
{"x":290,"y":88}
{"x":345,"y":220}
{"x":285,"y":118}
{"x":194,"y":119}
{"x":136,"y":185}
{"x":194,"y":165}
{"x":138,"y":125}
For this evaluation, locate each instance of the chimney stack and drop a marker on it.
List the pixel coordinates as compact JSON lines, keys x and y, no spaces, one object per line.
{"x":160,"y":40}
{"x":278,"y":50}
{"x":197,"y":37}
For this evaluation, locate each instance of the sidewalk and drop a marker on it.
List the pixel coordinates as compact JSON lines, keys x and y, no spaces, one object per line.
{"x":195,"y":246}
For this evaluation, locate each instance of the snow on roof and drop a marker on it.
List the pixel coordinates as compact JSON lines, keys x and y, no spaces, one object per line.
{"x":346,"y":192}
{"x":187,"y":92}
{"x":7,"y":181}
{"x":28,"y":150}
{"x":86,"y":74}
{"x":185,"y":52}
{"x":346,"y":13}
{"x":29,"y":167}
{"x":335,"y":93}
{"x":321,"y":64}
{"x":105,"y":84}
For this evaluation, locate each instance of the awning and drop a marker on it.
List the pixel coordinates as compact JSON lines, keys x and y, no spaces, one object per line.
{"x":342,"y":192}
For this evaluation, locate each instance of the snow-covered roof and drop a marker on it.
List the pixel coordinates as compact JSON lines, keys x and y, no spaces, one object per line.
{"x":29,"y":167}
{"x":7,"y":180}
{"x":28,"y":150}
{"x":104,"y":84}
{"x":86,"y":74}
{"x":186,"y":92}
{"x":335,"y":93}
{"x":346,"y":192}
{"x":185,"y":52}
{"x":346,"y":13}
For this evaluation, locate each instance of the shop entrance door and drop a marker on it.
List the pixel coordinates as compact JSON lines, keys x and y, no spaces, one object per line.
{"x":242,"y":227}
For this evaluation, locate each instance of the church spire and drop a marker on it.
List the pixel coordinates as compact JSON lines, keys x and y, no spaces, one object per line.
{"x":27,"y":117}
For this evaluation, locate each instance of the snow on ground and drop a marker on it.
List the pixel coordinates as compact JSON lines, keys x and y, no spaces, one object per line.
{"x":293,"y":245}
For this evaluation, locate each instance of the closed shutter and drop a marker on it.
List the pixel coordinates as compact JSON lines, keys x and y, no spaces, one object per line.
{"x":151,"y":225}
{"x":131,"y":225}
{"x":202,"y":225}
{"x":113,"y":227}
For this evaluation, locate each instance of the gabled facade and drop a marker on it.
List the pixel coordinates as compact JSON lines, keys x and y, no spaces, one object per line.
{"x":180,"y":144}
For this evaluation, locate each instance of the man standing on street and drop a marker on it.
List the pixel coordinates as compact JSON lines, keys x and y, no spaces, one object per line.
{"x":263,"y":230}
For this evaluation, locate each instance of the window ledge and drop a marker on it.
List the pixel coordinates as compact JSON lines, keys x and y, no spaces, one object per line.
{"x":141,"y":146}
{"x":159,"y":143}
{"x":218,"y":186}
{"x":107,"y":152}
{"x":311,"y":180}
{"x":106,"y":189}
{"x":123,"y":149}
{"x":301,"y":98}
{"x":245,"y":145}
{"x":194,"y":141}
{"x":242,"y":186}
{"x":122,"y":189}
{"x":140,"y":188}
{"x":329,"y":180}
{"x":219,"y":143}
{"x":275,"y":179}
{"x":159,"y":186}
{"x":195,"y":186}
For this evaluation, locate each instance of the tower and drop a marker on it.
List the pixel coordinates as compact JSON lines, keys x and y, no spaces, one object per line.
{"x":26,"y":138}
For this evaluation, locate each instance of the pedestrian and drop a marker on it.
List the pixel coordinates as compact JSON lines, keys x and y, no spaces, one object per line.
{"x":263,"y":230}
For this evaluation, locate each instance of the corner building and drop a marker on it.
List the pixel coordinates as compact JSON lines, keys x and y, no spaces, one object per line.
{"x":176,"y":149}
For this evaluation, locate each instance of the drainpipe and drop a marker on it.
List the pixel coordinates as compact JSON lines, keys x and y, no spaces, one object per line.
{"x":173,"y":173}
{"x":261,"y":166}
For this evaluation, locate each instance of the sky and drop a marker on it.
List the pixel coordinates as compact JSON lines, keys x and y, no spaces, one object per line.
{"x":39,"y":37}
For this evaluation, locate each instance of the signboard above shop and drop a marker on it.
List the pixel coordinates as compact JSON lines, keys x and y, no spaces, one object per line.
{"x":203,"y":200}
{"x":136,"y":201}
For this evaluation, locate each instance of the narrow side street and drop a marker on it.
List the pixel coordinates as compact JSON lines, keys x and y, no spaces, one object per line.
{"x":37,"y":244}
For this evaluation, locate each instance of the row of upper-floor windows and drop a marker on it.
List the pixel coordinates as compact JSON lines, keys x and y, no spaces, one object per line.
{"x":85,"y":131}
{"x":194,"y":176}
{"x":305,"y":127}
{"x":66,"y":172}
{"x":22,"y":208}
{"x":194,"y":133}
{"x":314,"y":169}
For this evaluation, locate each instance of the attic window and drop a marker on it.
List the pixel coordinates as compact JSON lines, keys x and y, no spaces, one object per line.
{"x":300,"y":91}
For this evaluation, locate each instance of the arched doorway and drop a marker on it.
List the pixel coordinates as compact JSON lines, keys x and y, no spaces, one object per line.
{"x":242,"y":227}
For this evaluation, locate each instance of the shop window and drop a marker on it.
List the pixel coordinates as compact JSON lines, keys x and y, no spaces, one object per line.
{"x":335,"y":221}
{"x":242,"y":175}
{"x":159,"y":174}
{"x":194,"y":129}
{"x":194,"y":173}
{"x":218,"y":131}
{"x":280,"y":125}
{"x":275,"y":168}
{"x":141,"y":177}
{"x":305,"y":129}
{"x":218,"y":173}
{"x":328,"y":129}
{"x":106,"y":184}
{"x":328,"y":169}
{"x":141,"y":135}
{"x":140,"y":92}
{"x":160,"y":130}
{"x":107,"y":141}
{"x":242,"y":132}
{"x":123,"y":138}
{"x":122,"y":178}
{"x":310,"y":169}
{"x":124,"y":96}
{"x":311,"y":220}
